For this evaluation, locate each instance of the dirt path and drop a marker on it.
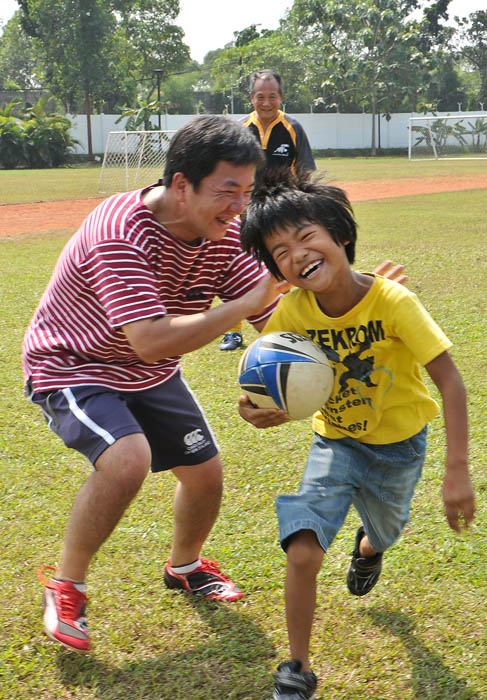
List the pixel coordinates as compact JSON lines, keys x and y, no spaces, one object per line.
{"x":67,"y":214}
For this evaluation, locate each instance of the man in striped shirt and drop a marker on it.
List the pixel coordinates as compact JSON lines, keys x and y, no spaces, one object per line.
{"x":130,"y":294}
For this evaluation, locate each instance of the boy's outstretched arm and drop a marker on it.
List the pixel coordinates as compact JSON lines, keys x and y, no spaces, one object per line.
{"x":458,"y":495}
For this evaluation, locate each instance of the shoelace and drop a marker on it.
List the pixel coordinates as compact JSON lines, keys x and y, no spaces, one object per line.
{"x":72,"y":603}
{"x":40,"y":573}
{"x":211,"y":567}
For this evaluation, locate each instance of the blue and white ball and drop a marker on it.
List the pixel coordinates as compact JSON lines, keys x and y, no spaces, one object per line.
{"x":287,"y":371}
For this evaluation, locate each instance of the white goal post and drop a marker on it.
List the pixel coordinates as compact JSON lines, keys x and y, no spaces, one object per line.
{"x":133,"y":159}
{"x":448,"y":138}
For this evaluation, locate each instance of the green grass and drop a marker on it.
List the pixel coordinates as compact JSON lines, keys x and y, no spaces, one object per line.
{"x":81,"y":182}
{"x":17,"y":186}
{"x":350,"y":169}
{"x":419,"y":636}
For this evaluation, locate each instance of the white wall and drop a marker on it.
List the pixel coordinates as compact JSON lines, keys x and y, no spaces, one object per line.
{"x":323,"y":130}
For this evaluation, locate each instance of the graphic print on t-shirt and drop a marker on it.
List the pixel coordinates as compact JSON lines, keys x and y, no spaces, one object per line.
{"x":359,"y":381}
{"x":377,"y":350}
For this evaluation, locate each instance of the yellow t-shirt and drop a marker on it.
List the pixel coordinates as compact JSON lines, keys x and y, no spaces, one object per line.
{"x":376,"y":350}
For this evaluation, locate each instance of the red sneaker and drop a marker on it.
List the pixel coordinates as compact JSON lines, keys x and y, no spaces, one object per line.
{"x":64,"y":613}
{"x":207,"y":580}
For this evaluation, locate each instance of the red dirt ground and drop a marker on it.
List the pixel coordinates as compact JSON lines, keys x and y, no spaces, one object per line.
{"x":63,"y":215}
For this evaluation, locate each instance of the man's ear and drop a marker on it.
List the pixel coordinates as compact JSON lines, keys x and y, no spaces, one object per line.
{"x":179,"y":186}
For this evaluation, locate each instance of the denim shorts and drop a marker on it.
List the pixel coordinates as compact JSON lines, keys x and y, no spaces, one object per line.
{"x":91,"y":418}
{"x":379,"y":480}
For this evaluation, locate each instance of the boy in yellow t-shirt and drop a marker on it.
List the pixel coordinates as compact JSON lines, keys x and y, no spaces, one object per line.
{"x":370,"y":437}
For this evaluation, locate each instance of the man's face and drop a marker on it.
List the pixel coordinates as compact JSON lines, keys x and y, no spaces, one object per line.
{"x":266,"y":99}
{"x":221,"y":196}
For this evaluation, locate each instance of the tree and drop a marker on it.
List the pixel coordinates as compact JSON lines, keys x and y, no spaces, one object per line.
{"x":150,"y":38}
{"x":279,"y":51}
{"x":73,"y":38}
{"x":431,"y":32}
{"x":365,"y":50}
{"x":178,"y":91}
{"x":445,"y":90}
{"x":19,"y":65}
{"x":91,"y":48}
{"x":245,"y":36}
{"x":473,"y":47}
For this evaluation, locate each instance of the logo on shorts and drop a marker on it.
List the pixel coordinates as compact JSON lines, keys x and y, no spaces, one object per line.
{"x":195,"y":441}
{"x":192,"y":438}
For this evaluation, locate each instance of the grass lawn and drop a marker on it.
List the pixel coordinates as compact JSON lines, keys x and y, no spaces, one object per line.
{"x":351,"y":169}
{"x":80,"y":182}
{"x":420,"y":635}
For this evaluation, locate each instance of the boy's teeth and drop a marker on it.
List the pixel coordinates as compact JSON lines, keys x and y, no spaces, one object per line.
{"x":309,"y":269}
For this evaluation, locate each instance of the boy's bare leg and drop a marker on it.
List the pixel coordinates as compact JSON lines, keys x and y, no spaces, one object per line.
{"x":365,"y":549}
{"x":304,"y":558}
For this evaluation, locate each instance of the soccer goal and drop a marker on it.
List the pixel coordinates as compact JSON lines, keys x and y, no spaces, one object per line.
{"x":448,"y":138}
{"x":133,"y":159}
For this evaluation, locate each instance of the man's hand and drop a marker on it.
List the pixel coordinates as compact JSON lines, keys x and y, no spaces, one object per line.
{"x":391,"y":272}
{"x":265,"y":292}
{"x":260,"y":417}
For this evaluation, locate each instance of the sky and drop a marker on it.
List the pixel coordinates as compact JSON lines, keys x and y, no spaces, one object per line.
{"x":209,"y":24}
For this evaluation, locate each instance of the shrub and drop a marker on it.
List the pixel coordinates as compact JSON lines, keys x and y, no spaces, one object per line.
{"x":36,"y":139}
{"x":11,"y":142}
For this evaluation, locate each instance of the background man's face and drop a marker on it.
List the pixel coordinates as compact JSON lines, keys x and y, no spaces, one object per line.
{"x":266,"y":99}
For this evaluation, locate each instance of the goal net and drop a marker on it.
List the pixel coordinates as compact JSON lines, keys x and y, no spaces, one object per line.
{"x":447,"y":138}
{"x":133,"y":159}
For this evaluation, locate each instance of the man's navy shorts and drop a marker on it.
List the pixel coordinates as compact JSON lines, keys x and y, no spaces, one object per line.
{"x":91,"y":418}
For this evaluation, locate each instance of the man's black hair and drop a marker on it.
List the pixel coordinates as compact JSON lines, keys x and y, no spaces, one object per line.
{"x":265,"y":74}
{"x":282,"y":198}
{"x":197,"y":148}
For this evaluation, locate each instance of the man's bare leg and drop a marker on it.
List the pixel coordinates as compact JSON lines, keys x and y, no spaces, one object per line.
{"x":196,"y":505}
{"x":102,"y":500}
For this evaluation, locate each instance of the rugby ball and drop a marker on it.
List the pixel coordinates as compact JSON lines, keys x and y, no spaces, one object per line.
{"x":287,"y":371}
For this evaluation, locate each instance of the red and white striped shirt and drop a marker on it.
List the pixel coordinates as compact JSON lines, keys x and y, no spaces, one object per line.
{"x":123,"y":266}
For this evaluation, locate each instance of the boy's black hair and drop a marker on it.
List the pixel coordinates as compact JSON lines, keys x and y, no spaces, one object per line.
{"x":282,"y":198}
{"x":197,"y":148}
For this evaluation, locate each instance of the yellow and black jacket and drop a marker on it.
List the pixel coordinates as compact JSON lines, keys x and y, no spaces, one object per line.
{"x":284,"y":141}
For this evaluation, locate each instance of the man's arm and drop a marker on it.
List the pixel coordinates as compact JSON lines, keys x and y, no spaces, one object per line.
{"x":458,"y":495}
{"x":156,"y":338}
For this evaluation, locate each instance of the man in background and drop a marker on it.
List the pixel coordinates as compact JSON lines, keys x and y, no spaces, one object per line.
{"x":282,"y":139}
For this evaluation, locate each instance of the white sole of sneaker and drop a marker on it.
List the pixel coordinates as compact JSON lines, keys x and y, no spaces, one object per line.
{"x":63,"y":644}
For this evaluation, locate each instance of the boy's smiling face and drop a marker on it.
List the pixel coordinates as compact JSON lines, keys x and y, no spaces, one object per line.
{"x":308,"y":257}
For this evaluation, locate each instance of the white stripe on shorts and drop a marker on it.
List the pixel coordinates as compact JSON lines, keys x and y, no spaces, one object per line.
{"x":86,"y":420}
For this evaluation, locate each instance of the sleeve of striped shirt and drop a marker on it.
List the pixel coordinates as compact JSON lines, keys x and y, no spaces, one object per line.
{"x":123,"y":281}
